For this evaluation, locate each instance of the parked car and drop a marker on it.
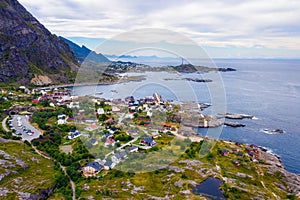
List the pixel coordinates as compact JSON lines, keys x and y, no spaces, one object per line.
{"x":18,"y":133}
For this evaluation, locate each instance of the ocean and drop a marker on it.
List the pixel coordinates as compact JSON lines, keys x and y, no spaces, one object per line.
{"x":268,"y":89}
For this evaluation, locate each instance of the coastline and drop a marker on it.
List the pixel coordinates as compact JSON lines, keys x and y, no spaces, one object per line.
{"x":121,"y":80}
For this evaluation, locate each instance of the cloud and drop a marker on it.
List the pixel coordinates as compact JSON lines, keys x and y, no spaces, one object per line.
{"x":271,"y":24}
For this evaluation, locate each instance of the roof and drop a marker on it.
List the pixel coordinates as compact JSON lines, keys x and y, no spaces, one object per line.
{"x":123,"y":154}
{"x":148,"y":139}
{"x":132,"y":148}
{"x":110,"y":140}
{"x":224,"y":151}
{"x":93,"y":141}
{"x":94,"y":165}
{"x":108,"y":163}
{"x":120,"y":155}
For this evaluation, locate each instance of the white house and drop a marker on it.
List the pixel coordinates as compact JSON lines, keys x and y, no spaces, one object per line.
{"x":61,"y":119}
{"x":100,"y":111}
{"x":115,"y":109}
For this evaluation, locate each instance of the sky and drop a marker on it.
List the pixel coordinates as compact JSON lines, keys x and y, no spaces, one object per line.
{"x":224,"y":28}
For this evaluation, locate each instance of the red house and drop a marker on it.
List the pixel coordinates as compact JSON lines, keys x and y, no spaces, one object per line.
{"x":236,"y":163}
{"x":224,"y":152}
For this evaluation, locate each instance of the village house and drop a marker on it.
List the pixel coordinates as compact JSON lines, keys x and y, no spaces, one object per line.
{"x":109,"y":165}
{"x":155,"y":134}
{"x":235,"y":150}
{"x":109,"y":121}
{"x":91,"y":169}
{"x":61,"y":119}
{"x":73,"y":105}
{"x":74,"y":134}
{"x":148,"y":141}
{"x":92,"y":127}
{"x":253,"y":154}
{"x":132,"y":149}
{"x":115,"y":109}
{"x":100,"y":111}
{"x":236,"y":163}
{"x":132,"y":132}
{"x":93,"y":141}
{"x":224,"y":152}
{"x":118,"y":157}
{"x":109,"y":141}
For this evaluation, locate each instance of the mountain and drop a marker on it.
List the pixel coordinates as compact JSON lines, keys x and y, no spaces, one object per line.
{"x":82,"y":52}
{"x":29,"y":53}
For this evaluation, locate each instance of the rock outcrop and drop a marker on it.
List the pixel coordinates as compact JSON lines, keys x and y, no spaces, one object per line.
{"x":28,"y":48}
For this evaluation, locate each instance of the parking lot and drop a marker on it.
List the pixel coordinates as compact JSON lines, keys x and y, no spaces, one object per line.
{"x":22,"y":127}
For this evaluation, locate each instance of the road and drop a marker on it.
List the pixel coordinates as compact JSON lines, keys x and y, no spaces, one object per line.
{"x":4,"y":124}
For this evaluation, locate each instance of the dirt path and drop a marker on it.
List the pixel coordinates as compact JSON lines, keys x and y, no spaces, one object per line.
{"x":64,"y":170}
{"x":47,"y":157}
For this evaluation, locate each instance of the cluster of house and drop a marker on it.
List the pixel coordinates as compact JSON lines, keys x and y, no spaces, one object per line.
{"x":93,"y":168}
{"x":60,"y":96}
{"x":252,"y":151}
{"x":146,"y":105}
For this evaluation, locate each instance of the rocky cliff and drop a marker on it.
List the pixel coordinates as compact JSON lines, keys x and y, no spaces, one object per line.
{"x":28,"y":49}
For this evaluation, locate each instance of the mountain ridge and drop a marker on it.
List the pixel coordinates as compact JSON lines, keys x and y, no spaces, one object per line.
{"x":83,"y":52}
{"x":29,"y":50}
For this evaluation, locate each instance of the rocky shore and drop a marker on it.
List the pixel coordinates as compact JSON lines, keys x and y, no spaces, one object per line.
{"x":235,"y":116}
{"x":274,"y":165}
{"x":234,"y":124}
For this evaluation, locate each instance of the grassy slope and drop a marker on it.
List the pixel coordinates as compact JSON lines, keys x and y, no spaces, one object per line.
{"x":39,"y":175}
{"x":159,"y":183}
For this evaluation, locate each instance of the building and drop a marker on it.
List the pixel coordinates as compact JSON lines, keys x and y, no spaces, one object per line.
{"x":224,"y":152}
{"x":92,"y":127}
{"x":74,"y":134}
{"x":115,"y":109}
{"x":253,"y":154}
{"x":61,"y":119}
{"x":132,"y":132}
{"x":236,"y":163}
{"x":148,"y":141}
{"x":91,"y":169}
{"x":109,"y":141}
{"x":157,"y":98}
{"x":155,"y":134}
{"x":100,"y":111}
{"x":118,"y":157}
{"x":132,"y":149}
{"x":93,"y":141}
{"x":235,"y":150}
{"x":109,"y":165}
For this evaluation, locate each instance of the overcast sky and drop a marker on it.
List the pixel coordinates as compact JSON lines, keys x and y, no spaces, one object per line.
{"x":256,"y":28}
